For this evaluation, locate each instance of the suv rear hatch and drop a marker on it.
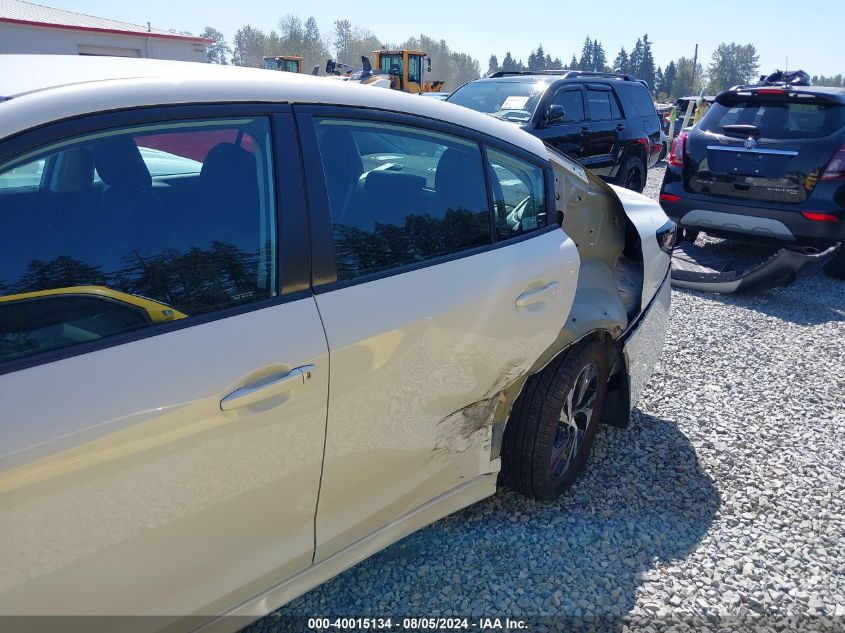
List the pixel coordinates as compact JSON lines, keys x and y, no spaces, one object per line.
{"x":764,"y":144}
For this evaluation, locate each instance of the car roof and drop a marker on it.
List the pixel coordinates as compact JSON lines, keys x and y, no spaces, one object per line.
{"x":39,"y":89}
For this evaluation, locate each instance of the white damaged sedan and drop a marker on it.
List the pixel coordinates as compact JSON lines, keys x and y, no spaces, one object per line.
{"x":255,"y":327}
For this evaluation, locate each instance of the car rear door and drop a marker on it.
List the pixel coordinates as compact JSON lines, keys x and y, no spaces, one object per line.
{"x":432,"y":304}
{"x":163,"y":369}
{"x":568,"y":134}
{"x":601,"y":144}
{"x":770,"y":146}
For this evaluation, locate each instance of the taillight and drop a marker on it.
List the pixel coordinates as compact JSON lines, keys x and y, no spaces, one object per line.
{"x":816,"y":216}
{"x":679,"y":146}
{"x":835,"y":169}
{"x":669,"y":197}
{"x":770,"y":91}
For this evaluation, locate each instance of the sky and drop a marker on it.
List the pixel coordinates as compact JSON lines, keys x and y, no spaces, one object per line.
{"x":809,"y":34}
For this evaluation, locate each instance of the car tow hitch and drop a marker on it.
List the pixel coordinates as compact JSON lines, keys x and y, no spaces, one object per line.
{"x":694,"y":267}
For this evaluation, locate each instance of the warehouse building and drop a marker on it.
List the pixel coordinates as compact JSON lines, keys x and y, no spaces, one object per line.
{"x":33,"y":28}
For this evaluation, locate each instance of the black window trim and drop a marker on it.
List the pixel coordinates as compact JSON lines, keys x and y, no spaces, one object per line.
{"x":292,"y":280}
{"x":324,"y":269}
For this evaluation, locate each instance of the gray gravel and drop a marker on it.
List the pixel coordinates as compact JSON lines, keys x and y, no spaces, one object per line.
{"x":723,"y":504}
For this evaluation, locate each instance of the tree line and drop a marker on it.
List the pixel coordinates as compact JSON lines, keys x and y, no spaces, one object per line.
{"x":347,"y":41}
{"x":730,"y":64}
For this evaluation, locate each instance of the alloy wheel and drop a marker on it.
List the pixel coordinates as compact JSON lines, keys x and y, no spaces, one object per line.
{"x":575,"y":418}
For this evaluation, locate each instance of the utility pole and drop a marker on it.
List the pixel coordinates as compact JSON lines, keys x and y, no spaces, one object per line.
{"x":694,"y":66}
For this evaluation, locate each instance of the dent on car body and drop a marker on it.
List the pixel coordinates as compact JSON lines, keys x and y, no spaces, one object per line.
{"x":696,"y":268}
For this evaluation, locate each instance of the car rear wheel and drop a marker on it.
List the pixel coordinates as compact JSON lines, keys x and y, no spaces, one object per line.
{"x":550,"y":434}
{"x":836,"y":266}
{"x":632,"y":174}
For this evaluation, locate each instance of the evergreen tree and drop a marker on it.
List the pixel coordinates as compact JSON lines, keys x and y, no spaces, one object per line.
{"x":659,"y":82}
{"x":599,"y":60}
{"x":508,"y":63}
{"x":492,"y":65}
{"x":621,"y":64}
{"x":586,"y":60}
{"x":636,"y":58}
{"x":669,"y":79}
{"x":557,"y":64}
{"x":573,"y":63}
{"x":646,"y":68}
{"x":540,"y":58}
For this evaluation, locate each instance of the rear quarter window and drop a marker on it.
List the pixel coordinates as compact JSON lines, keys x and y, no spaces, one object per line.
{"x":639,"y":99}
{"x":777,"y":119}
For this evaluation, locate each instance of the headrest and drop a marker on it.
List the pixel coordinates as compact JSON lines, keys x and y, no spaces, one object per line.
{"x":340,"y":153}
{"x":119,"y":163}
{"x":75,"y":171}
{"x":391,"y":183}
{"x":775,"y":116}
{"x":226,"y":163}
{"x":451,"y":170}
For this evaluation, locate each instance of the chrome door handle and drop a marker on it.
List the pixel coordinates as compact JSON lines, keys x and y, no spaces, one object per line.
{"x":267,"y":388}
{"x":540,"y":294}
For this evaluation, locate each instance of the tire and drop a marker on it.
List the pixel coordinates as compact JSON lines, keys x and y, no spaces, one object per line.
{"x":632,"y":174}
{"x":664,"y":149}
{"x":836,"y":266}
{"x":539,"y":428}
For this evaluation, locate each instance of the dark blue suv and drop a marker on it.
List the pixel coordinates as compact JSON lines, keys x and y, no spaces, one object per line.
{"x":765,"y":163}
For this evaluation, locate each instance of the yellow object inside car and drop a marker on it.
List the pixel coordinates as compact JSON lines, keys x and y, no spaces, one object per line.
{"x":157,"y":312}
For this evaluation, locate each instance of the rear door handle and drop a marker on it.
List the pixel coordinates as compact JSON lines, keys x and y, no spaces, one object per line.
{"x":267,"y":388}
{"x":620,"y":127}
{"x":537,"y":295}
{"x":585,"y":131}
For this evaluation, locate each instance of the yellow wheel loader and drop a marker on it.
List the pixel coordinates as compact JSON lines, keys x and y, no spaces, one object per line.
{"x":286,"y":63}
{"x":396,"y":69}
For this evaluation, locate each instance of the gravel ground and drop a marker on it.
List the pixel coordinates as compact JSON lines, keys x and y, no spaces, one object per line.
{"x":722,"y":506}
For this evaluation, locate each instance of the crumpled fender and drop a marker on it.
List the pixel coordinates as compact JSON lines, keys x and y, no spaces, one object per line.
{"x":694,"y":267}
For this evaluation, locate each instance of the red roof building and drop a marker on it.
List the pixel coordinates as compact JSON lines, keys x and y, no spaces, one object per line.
{"x":26,"y":27}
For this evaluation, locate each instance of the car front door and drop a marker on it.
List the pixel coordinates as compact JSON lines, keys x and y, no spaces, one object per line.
{"x":432,"y":304}
{"x":568,"y":134}
{"x":606,"y":124}
{"x":163,"y":377}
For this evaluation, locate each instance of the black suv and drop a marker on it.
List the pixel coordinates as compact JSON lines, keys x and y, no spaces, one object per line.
{"x":605,"y":121}
{"x":766,"y":162}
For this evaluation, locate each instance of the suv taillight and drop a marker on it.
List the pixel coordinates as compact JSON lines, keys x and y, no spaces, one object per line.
{"x":676,"y":154}
{"x":836,"y":167}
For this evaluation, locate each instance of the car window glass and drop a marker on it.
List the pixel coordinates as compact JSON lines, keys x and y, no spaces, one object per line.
{"x":94,"y":257}
{"x":615,"y":113}
{"x":573,"y":104}
{"x":507,"y":99}
{"x":599,"y":104}
{"x":639,"y":97}
{"x":24,"y":176}
{"x":419,"y":195}
{"x":414,"y":68}
{"x":777,"y":119}
{"x":519,"y":195}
